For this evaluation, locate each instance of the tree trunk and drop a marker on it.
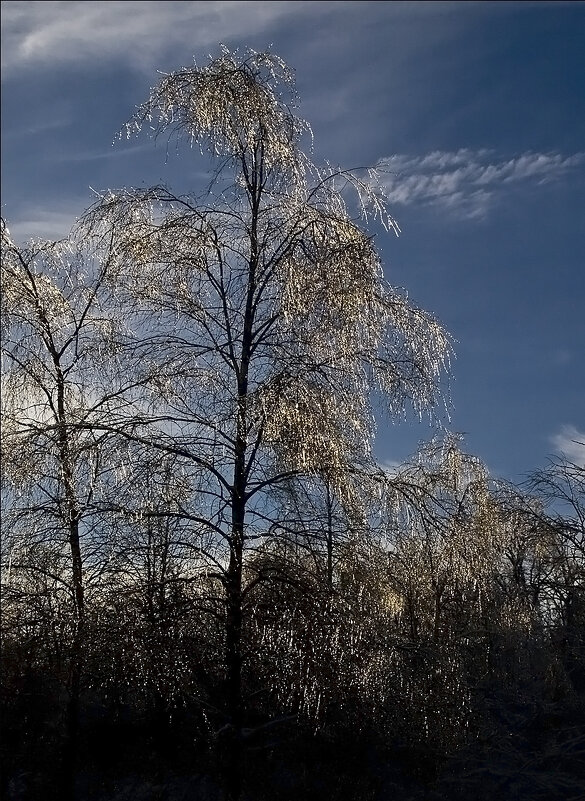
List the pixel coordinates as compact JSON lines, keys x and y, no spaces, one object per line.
{"x":70,"y":748}
{"x":233,"y":766}
{"x":329,"y":537}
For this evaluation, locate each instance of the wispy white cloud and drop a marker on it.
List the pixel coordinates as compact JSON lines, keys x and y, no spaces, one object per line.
{"x":570,"y":443}
{"x":44,"y":223}
{"x":39,"y":129}
{"x":391,"y":467}
{"x":102,"y":154}
{"x":467,"y":181}
{"x":140,"y":32}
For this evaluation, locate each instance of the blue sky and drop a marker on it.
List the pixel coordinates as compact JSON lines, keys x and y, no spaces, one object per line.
{"x":477,"y":110}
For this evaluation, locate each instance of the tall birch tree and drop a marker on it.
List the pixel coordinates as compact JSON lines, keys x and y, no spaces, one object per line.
{"x":265,"y":306}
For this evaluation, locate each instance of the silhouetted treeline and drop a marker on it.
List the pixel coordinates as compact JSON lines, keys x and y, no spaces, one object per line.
{"x":438,"y":653}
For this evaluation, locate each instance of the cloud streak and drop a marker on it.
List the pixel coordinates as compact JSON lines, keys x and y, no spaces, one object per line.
{"x":140,"y":33}
{"x":570,"y":443}
{"x":51,"y":33}
{"x":42,"y":223}
{"x":467,"y":181}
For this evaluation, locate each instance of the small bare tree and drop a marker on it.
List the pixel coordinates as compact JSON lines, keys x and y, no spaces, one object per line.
{"x":61,"y":333}
{"x":561,"y":488}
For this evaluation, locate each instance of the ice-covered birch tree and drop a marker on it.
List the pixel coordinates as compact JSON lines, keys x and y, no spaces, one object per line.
{"x":265,"y":304}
